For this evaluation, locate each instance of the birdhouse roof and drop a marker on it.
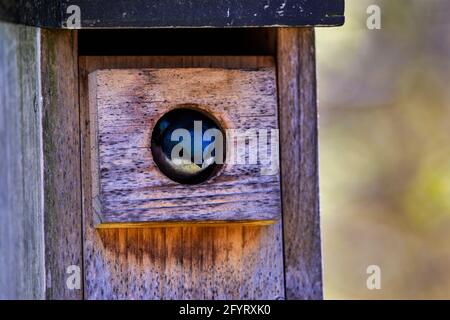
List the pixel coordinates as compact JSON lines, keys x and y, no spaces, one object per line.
{"x":172,"y":13}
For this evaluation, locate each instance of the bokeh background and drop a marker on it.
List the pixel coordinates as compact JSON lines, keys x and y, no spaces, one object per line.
{"x":384,"y":105}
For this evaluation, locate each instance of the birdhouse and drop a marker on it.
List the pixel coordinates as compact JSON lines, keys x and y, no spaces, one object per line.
{"x":161,"y":149}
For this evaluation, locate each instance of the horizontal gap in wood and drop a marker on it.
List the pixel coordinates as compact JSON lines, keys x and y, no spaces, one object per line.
{"x":239,"y":41}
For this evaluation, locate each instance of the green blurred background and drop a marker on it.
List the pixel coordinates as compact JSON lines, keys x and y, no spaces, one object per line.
{"x":384,"y":106}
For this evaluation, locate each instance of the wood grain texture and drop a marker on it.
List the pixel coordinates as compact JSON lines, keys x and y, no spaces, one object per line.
{"x":62,"y":178}
{"x":299,"y":164}
{"x":21,"y":196}
{"x":233,"y":262}
{"x":127,"y":184}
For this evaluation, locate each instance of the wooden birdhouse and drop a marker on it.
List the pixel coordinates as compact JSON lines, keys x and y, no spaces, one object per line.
{"x":160,"y":149}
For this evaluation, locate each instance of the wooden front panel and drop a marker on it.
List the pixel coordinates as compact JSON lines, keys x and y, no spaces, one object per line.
{"x":184,"y":262}
{"x":129,"y":187}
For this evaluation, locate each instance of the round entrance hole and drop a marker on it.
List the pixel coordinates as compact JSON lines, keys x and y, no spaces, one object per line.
{"x":188,"y":145}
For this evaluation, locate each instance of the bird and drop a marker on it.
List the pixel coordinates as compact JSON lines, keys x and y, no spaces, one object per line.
{"x":177,"y":145}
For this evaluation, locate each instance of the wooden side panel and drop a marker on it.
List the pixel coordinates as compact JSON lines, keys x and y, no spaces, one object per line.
{"x":232,"y":262}
{"x":299,"y":164}
{"x":21,"y":217}
{"x":62,"y":178}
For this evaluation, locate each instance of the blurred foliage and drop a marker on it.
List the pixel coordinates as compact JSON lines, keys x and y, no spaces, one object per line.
{"x":384,"y":104}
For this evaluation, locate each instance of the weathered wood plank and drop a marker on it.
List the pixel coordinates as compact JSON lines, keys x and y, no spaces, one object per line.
{"x":21,"y":213}
{"x":232,"y":262}
{"x":132,"y":189}
{"x":62,"y":178}
{"x":299,"y":164}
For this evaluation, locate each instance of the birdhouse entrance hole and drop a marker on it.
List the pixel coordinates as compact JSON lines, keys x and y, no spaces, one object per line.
{"x":188,"y":145}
